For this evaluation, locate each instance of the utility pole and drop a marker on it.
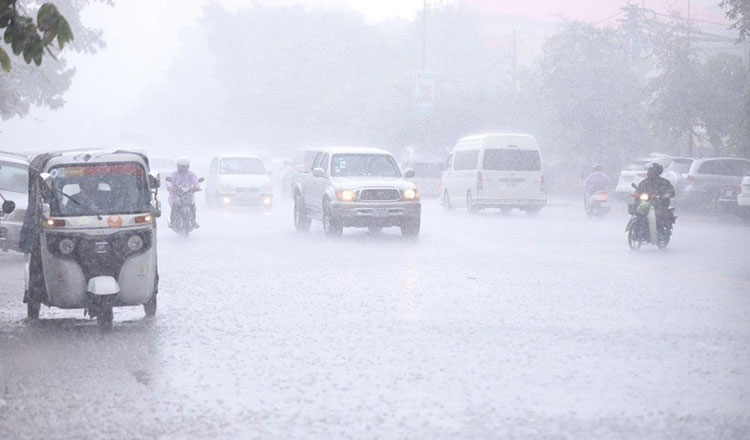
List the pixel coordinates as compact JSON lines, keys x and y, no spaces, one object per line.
{"x":424,"y":35}
{"x":515,"y":61}
{"x":690,"y":131}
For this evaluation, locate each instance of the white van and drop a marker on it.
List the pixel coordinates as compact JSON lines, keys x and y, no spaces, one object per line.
{"x":495,"y":171}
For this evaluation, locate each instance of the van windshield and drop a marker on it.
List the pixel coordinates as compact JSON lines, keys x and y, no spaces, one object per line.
{"x":241,"y":165}
{"x":14,"y":177}
{"x":429,"y":170}
{"x":99,"y":189}
{"x":361,"y":165}
{"x":511,"y":160}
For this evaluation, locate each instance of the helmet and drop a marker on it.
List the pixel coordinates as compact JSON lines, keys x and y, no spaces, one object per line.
{"x":654,"y":169}
{"x":596,"y":167}
{"x":183,"y":164}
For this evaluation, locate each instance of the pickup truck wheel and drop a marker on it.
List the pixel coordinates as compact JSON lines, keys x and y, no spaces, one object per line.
{"x":150,"y":307}
{"x":32,"y":309}
{"x":410,"y":227}
{"x":301,"y":220}
{"x":331,"y":225}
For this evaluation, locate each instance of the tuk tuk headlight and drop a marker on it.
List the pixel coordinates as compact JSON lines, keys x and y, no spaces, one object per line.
{"x":66,"y":246}
{"x":135,"y":243}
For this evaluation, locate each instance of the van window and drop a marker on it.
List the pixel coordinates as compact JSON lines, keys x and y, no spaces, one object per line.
{"x":738,"y":167}
{"x":466,"y":160}
{"x":449,"y":162}
{"x":511,"y":160}
{"x":714,"y":168}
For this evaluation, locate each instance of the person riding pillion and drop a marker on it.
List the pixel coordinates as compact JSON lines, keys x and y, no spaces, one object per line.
{"x":183,"y":176}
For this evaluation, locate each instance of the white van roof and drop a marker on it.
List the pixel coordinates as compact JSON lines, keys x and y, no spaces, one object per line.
{"x":521,"y":140}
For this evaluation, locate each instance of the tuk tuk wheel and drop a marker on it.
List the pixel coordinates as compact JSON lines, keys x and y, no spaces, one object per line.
{"x":104,"y":318}
{"x":150,"y":307}
{"x":32,"y":309}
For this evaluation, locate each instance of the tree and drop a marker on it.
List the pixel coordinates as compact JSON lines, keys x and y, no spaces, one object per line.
{"x":30,"y":39}
{"x":739,"y":12}
{"x":28,"y":85}
{"x":592,"y":95}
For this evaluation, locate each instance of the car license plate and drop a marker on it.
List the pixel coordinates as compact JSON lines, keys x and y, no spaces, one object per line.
{"x":380,"y":212}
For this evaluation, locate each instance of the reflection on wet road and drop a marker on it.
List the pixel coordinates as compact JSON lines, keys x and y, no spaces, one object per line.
{"x":487,"y":326}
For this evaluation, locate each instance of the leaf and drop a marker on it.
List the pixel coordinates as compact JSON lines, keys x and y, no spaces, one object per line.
{"x":64,"y":34}
{"x":47,"y":16}
{"x":4,"y":60}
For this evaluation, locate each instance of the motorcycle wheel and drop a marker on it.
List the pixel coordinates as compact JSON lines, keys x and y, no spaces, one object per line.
{"x":662,"y":242}
{"x":633,"y":240}
{"x":104,"y":318}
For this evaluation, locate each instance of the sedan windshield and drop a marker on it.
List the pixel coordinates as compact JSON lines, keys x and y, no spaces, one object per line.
{"x":241,"y":165}
{"x":13,"y":177}
{"x":362,"y":165}
{"x":99,"y":189}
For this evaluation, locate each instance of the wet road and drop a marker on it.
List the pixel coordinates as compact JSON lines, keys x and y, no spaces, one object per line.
{"x":488,"y":326}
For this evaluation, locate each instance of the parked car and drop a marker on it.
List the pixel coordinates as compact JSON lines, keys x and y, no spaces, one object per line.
{"x":14,"y":178}
{"x":427,"y":176}
{"x":495,"y":171}
{"x":238,"y":180}
{"x":713,"y":182}
{"x":634,"y":172}
{"x":677,"y":171}
{"x":743,"y":198}
{"x":357,"y":187}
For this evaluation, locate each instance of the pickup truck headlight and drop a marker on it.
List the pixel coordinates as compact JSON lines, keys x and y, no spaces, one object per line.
{"x":411,"y":194}
{"x":347,"y":195}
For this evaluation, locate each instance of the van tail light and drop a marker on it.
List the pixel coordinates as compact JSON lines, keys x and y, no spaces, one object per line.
{"x":543,"y":183}
{"x":690,"y":178}
{"x":480,"y":181}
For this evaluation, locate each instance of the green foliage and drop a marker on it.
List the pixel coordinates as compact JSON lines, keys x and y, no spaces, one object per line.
{"x":739,"y":12}
{"x":31,"y":39}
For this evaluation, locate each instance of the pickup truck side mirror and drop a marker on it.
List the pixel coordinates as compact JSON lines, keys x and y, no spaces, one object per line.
{"x":168,"y":178}
{"x":318,"y":172}
{"x":8,"y":206}
{"x":634,"y":185}
{"x":201,"y":180}
{"x":409,"y":173}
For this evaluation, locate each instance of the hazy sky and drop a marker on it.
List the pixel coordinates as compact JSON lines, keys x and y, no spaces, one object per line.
{"x":112,"y":82}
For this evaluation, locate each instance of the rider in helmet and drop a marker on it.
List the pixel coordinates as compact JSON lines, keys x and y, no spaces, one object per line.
{"x":596,"y":181}
{"x":183,"y":176}
{"x":655,"y":185}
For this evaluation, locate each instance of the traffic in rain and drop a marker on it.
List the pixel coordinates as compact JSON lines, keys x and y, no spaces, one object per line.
{"x":375,"y":219}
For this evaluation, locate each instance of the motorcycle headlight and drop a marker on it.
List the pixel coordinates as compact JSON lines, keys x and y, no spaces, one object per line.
{"x":644,"y":197}
{"x":411,"y":194}
{"x":66,"y":246}
{"x":347,"y":195}
{"x":135,"y":243}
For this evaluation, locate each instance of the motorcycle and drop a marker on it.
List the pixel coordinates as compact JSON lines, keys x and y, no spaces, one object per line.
{"x":596,"y":204}
{"x":183,"y":209}
{"x":643,"y":227}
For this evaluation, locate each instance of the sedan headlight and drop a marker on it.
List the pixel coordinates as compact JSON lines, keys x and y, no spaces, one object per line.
{"x":135,"y":243}
{"x":411,"y":194}
{"x":347,"y":195}
{"x":67,"y":246}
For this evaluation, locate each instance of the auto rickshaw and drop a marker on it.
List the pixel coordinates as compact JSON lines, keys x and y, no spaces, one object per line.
{"x":90,"y":233}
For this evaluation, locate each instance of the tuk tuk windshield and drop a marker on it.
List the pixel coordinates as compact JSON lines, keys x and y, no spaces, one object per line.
{"x":99,"y":189}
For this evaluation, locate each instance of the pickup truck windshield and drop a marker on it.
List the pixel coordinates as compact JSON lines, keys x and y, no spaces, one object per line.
{"x":364,"y":165}
{"x":99,"y":189}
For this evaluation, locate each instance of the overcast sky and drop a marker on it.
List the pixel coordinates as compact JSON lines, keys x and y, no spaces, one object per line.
{"x":142,"y":36}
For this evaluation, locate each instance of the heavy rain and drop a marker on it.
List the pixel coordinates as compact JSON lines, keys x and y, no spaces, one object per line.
{"x":375,"y":219}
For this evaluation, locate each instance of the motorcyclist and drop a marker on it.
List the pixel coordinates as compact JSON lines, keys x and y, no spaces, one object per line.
{"x":655,"y":185}
{"x":183,"y":176}
{"x":596,"y":181}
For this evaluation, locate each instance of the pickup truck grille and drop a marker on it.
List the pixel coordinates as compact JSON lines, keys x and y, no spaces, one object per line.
{"x":379,"y":194}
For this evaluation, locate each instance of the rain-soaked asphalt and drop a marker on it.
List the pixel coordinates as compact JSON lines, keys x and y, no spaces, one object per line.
{"x":488,"y":326}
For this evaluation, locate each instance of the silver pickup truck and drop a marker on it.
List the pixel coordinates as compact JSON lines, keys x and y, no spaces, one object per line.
{"x":357,"y":187}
